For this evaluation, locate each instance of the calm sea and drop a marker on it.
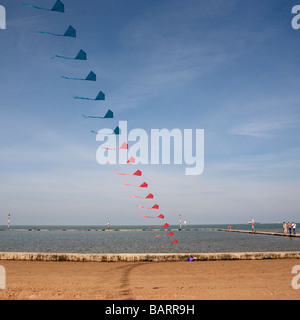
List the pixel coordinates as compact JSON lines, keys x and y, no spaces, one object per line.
{"x":81,"y":241}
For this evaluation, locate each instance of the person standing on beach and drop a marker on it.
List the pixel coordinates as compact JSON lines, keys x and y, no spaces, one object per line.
{"x":294,"y":227}
{"x":284,"y":226}
{"x":290,"y":227}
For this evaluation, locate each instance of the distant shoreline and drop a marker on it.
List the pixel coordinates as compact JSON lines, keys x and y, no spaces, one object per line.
{"x":155,"y":229}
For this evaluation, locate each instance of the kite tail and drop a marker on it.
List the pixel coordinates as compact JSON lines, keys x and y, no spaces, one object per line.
{"x":105,"y":134}
{"x":92,"y":117}
{"x":62,"y":57}
{"x":124,"y":174}
{"x":158,"y":217}
{"x":32,"y":6}
{"x":83,"y":98}
{"x":164,"y":235}
{"x":68,"y":78}
{"x":137,"y":197}
{"x":163,"y":245}
{"x":154,"y":207}
{"x":53,"y":34}
{"x":166,"y":225}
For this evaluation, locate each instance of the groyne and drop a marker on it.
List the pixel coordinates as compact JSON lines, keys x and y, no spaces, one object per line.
{"x":146,"y":257}
{"x":256,"y":232}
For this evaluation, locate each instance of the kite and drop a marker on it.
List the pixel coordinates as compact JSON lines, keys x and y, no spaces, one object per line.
{"x":100,"y":96}
{"x":90,"y":77}
{"x":137,"y":173}
{"x":143,"y":185}
{"x":124,"y":146}
{"x":109,"y":115}
{"x":80,"y":56}
{"x":175,"y":241}
{"x":164,"y":235}
{"x":71,"y":32}
{"x":130,"y":160}
{"x":154,"y":207}
{"x":149,"y":196}
{"x":166,"y":225}
{"x":116,"y":131}
{"x":58,"y":7}
{"x":161,"y":216}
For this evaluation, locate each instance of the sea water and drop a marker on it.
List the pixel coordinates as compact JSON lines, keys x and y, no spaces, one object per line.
{"x":80,"y":240}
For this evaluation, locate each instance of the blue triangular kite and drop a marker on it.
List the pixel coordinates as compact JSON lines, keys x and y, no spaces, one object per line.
{"x":71,"y":32}
{"x":90,"y":77}
{"x":117,"y":131}
{"x":58,"y":7}
{"x":80,"y":56}
{"x":100,"y":96}
{"x":109,"y":115}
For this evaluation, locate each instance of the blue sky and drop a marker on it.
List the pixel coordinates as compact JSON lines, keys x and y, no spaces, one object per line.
{"x":228,"y":67}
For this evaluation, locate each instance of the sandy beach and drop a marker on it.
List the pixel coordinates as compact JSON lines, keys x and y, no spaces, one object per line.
{"x":183,"y":280}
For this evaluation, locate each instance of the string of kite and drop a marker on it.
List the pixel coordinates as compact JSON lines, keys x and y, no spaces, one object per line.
{"x":81,"y":55}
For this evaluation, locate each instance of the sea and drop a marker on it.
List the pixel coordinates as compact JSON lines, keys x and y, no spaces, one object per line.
{"x":139,"y":239}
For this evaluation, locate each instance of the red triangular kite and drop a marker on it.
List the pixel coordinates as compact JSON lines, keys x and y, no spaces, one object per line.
{"x":161,"y":216}
{"x":137,"y":173}
{"x":166,"y":225}
{"x":164,"y":235}
{"x":154,"y":207}
{"x":143,"y":185}
{"x":149,"y":196}
{"x":124,"y":146}
{"x":175,"y":241}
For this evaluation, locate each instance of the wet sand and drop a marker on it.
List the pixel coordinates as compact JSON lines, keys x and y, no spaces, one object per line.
{"x":197,"y":280}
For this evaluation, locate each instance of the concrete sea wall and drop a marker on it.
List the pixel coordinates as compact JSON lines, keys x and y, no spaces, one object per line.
{"x":155,"y":257}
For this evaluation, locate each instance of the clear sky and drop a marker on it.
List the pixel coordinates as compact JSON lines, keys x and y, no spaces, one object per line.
{"x":230,"y":67}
